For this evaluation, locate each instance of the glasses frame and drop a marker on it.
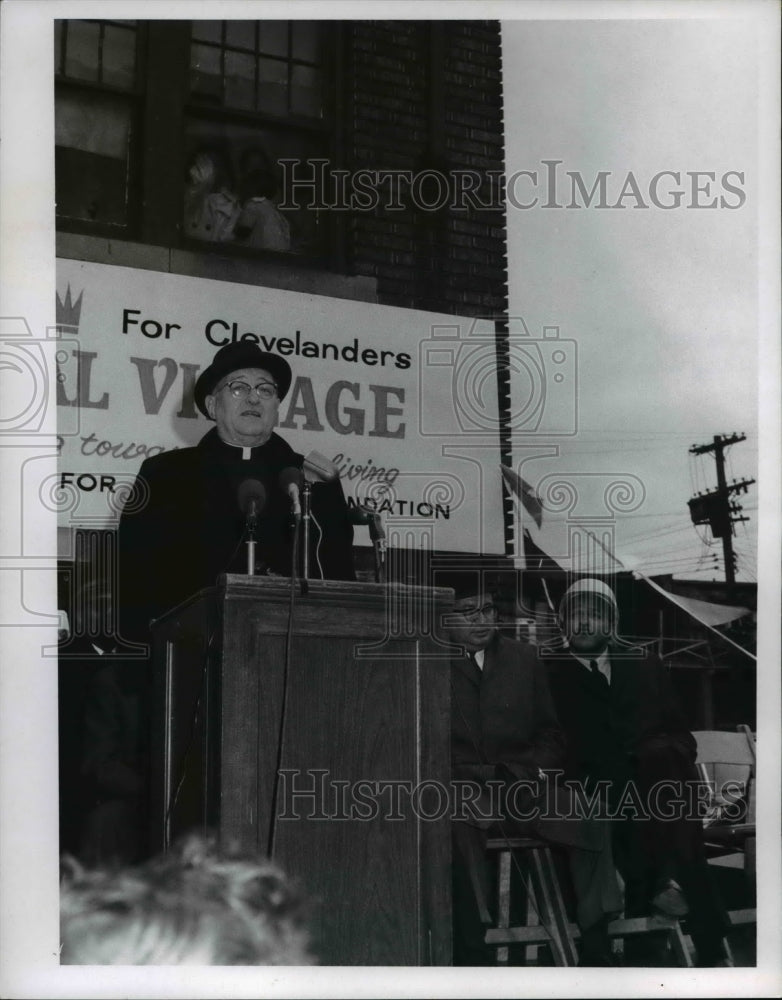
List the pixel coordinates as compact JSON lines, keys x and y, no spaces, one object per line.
{"x":265,"y":390}
{"x":485,"y":611}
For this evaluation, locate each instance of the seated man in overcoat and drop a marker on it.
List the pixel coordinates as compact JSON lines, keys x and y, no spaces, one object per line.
{"x":628,"y":742}
{"x":505,"y":739}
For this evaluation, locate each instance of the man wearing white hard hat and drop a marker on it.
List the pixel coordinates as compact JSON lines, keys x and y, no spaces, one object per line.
{"x":624,"y":727}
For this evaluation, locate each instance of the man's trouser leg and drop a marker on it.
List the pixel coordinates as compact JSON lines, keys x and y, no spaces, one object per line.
{"x":472,"y":873}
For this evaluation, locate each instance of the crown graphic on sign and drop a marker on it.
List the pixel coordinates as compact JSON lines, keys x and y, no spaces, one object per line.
{"x":69,"y":312}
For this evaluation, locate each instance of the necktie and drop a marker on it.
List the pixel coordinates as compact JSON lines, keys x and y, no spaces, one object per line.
{"x":476,"y":671}
{"x":600,"y":678}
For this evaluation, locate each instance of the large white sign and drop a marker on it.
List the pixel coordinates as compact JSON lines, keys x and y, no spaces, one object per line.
{"x":404,"y":402}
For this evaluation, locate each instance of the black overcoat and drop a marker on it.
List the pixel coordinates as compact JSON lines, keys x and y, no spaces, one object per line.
{"x":633,"y":736}
{"x":504,"y":727}
{"x":183,"y":525}
{"x":609,"y":730}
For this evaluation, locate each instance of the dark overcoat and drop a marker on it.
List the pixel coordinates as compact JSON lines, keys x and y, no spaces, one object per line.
{"x":633,"y":736}
{"x":504,"y":727}
{"x":183,"y":526}
{"x":611,"y":729}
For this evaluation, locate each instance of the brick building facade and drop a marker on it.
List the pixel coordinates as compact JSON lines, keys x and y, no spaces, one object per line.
{"x":423,"y":99}
{"x":428,"y":97}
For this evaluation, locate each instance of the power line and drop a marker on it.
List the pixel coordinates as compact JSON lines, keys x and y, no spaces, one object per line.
{"x":692,"y":432}
{"x":667,"y":513}
{"x":677,"y":567}
{"x":660,"y":533}
{"x":717,"y":507}
{"x":747,"y":563}
{"x":694,"y":553}
{"x":687,"y":557}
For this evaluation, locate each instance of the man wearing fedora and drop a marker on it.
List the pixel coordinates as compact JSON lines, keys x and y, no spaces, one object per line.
{"x":186,"y":526}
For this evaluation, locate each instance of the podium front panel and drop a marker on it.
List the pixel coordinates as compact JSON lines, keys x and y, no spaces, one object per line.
{"x":362,"y":756}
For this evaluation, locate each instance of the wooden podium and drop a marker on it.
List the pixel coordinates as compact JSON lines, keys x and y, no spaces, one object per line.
{"x":366,"y":744}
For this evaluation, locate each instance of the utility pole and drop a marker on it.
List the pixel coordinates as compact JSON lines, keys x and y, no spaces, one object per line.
{"x":716,"y":507}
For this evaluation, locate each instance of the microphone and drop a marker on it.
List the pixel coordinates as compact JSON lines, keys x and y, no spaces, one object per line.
{"x":370,"y":518}
{"x":291,"y":482}
{"x":373,"y":520}
{"x":318,"y":469}
{"x":252,"y":498}
{"x":376,"y":532}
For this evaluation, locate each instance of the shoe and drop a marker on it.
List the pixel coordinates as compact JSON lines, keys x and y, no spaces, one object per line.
{"x":669,"y":899}
{"x":596,"y":947}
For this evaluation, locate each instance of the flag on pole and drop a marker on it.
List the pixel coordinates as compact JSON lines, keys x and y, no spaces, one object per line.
{"x":525,"y":493}
{"x":571,"y":544}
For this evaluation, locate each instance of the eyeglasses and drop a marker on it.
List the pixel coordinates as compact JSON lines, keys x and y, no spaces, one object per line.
{"x":241,"y":390}
{"x":473,"y":614}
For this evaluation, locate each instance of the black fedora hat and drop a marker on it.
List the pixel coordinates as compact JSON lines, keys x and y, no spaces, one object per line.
{"x":232,"y":357}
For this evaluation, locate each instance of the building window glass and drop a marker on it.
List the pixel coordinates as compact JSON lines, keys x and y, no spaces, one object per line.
{"x":234,"y":185}
{"x":95,"y":115}
{"x":256,"y":96}
{"x":91,"y":158}
{"x":175,"y":132}
{"x":97,"y":51}
{"x":273,"y":67}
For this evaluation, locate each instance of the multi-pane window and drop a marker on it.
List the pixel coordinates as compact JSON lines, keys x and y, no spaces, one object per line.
{"x":173,"y":132}
{"x":256,"y":97}
{"x":96,"y":67}
{"x":271,"y":67}
{"x":99,"y":51}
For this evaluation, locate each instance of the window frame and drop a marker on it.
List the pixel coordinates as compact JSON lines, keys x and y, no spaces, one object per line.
{"x":134,"y":97}
{"x":161,"y":109}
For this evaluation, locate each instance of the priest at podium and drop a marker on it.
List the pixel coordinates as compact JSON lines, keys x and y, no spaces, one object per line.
{"x":186,"y":521}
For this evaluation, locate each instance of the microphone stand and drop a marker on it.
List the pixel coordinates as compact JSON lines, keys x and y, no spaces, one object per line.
{"x":270,"y":841}
{"x":306,"y":492}
{"x":251,"y":542}
{"x":378,"y":539}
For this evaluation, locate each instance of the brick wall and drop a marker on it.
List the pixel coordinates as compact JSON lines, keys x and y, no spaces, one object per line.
{"x":428,"y":96}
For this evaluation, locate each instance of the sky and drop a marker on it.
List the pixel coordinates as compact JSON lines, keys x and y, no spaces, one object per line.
{"x":661,"y":303}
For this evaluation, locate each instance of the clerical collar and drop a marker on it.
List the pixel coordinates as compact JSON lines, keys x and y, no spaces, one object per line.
{"x":247,"y":453}
{"x":212,"y":441}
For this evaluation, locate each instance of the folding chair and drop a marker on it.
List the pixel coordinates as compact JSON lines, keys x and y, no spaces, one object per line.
{"x":726,"y":762}
{"x":546,"y":918}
